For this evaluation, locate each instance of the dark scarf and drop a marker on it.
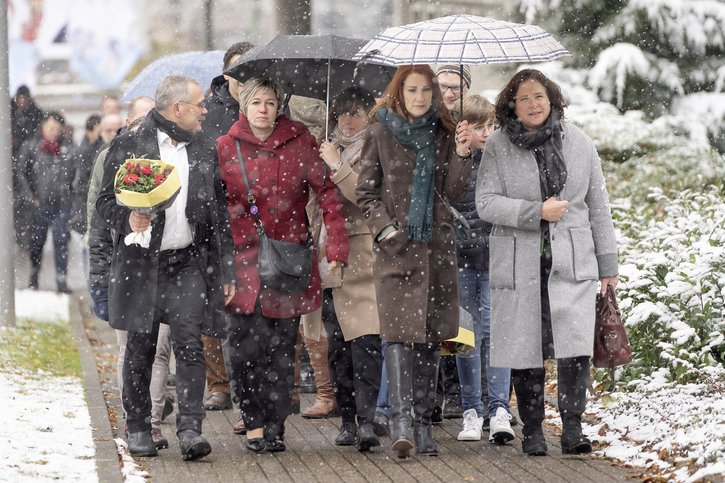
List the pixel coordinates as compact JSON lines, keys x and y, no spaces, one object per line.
{"x":171,"y":128}
{"x":547,"y":147}
{"x":418,"y":135}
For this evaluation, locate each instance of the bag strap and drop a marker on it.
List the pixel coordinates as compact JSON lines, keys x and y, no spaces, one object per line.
{"x":253,"y":209}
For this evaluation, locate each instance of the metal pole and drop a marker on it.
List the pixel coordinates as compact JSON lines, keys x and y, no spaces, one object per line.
{"x":7,"y":228}
{"x":209,"y":27}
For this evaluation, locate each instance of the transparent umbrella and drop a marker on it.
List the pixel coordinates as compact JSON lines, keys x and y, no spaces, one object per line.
{"x":200,"y":65}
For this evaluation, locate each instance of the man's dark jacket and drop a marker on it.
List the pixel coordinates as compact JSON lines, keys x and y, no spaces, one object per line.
{"x":44,"y":176}
{"x":84,"y":157}
{"x":223,"y":109}
{"x":134,"y":270}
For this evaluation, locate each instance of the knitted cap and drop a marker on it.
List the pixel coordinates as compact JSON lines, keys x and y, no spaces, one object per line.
{"x":456,"y":69}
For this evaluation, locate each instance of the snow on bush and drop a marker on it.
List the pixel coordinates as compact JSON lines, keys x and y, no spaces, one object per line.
{"x":672,"y":290}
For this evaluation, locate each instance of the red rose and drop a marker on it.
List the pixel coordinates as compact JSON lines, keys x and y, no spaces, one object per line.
{"x":130,"y":178}
{"x":159,"y":182}
{"x":160,"y":177}
{"x":146,"y":170}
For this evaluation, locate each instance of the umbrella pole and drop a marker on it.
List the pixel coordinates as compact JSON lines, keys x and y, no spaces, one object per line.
{"x":327,"y":103}
{"x":461,"y":76}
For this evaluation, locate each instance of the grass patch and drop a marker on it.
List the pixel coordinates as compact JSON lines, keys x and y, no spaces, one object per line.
{"x":39,"y":347}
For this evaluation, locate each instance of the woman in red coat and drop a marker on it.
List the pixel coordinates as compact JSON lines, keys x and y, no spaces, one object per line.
{"x":282,"y":164}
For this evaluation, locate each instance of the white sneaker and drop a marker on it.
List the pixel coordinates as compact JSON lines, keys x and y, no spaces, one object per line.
{"x":472,"y":426}
{"x":501,"y":431}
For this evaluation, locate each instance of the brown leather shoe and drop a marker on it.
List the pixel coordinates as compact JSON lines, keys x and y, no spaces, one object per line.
{"x":239,"y":427}
{"x":325,"y":404}
{"x":218,"y":401}
{"x":158,"y":438}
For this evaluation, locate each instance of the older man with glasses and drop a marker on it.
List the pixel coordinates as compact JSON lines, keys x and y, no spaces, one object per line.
{"x":186,"y":275}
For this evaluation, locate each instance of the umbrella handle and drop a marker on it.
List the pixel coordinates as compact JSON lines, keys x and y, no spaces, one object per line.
{"x":327,"y":103}
{"x":461,"y":98}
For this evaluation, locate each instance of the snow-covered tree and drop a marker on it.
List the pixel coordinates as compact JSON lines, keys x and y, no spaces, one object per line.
{"x":643,"y":53}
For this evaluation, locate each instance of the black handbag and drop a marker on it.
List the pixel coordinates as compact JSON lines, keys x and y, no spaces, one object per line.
{"x":283,"y":267}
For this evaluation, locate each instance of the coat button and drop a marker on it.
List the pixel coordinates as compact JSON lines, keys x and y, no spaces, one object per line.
{"x":272,"y":211}
{"x":270,"y":154}
{"x":556,"y":272}
{"x":272,"y":181}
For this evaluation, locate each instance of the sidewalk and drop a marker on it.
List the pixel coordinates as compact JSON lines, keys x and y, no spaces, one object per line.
{"x":311,"y":454}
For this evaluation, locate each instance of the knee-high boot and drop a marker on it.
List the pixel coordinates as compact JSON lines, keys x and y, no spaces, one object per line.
{"x":325,"y":403}
{"x":573,"y":374}
{"x":426,"y":358}
{"x":399,"y":363}
{"x":529,"y":386}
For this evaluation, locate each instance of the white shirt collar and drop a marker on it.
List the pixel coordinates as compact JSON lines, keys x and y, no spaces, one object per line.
{"x":164,"y":138}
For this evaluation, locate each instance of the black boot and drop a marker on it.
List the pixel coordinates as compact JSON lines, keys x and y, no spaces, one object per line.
{"x":193,"y":445}
{"x":529,"y":385}
{"x":399,"y":363}
{"x":34,"y":275}
{"x":367,"y":438}
{"x":573,"y":374}
{"x":141,"y":444}
{"x":425,"y":373}
{"x":348,"y":434}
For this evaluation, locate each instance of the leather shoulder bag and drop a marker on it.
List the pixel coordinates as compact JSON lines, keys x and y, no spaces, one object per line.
{"x":283,"y":266}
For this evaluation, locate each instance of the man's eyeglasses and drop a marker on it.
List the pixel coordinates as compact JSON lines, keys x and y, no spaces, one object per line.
{"x":199,"y":105}
{"x":454,"y":89}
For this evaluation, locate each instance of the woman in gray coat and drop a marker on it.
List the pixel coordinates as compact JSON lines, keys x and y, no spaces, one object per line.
{"x":540,"y":183}
{"x":410,"y":160}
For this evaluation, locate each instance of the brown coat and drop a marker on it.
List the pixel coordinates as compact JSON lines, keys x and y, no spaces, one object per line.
{"x":352,"y":286}
{"x":416,"y":283}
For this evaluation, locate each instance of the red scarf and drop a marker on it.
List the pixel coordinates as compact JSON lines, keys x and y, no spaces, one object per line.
{"x":48,"y":146}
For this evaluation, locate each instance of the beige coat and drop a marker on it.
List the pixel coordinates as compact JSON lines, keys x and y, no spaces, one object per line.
{"x":352,"y":286}
{"x":416,"y":283}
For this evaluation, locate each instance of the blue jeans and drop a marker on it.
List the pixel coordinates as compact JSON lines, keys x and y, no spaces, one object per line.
{"x":474,"y":296}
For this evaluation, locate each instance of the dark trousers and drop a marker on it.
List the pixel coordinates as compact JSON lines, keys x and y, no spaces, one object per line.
{"x":262,"y":359}
{"x":55,"y":217}
{"x":181,"y":303}
{"x":355,"y":367}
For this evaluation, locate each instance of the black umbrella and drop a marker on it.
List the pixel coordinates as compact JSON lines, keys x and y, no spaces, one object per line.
{"x":317,"y":66}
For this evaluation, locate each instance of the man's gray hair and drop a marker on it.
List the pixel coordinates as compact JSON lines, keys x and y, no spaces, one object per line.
{"x":173,"y":88}
{"x":252,"y":86}
{"x":134,"y":104}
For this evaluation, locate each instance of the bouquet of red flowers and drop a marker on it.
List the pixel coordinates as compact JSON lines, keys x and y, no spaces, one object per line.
{"x":147,"y":185}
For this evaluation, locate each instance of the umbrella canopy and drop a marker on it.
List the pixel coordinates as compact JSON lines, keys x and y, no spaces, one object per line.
{"x":461,"y":39}
{"x":202,"y":66}
{"x":317,"y":66}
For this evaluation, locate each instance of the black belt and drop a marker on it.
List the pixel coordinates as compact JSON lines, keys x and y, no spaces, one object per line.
{"x":177,"y":254}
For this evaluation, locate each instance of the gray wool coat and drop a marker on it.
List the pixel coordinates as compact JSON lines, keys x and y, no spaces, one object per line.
{"x":416,"y":284}
{"x":583,"y":249}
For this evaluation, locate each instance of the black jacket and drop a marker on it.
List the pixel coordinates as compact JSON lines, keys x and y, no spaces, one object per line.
{"x":23,"y":124}
{"x":43,"y":176}
{"x":84,"y":157}
{"x":134,"y":270}
{"x":223,"y":109}
{"x":473,"y":253}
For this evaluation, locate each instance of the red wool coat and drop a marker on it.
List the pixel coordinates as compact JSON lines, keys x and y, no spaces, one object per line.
{"x":281,"y":171}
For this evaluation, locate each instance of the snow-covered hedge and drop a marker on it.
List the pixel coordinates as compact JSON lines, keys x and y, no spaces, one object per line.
{"x":672,"y":271}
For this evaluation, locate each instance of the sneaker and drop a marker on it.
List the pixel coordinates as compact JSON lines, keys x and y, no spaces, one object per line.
{"x":472,"y":426}
{"x":501,"y":431}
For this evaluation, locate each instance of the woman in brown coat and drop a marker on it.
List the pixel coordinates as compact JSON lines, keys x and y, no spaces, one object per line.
{"x":410,"y":162}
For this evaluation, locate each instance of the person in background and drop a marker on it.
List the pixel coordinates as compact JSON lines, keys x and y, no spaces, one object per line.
{"x":44,"y":176}
{"x":473,"y":262}
{"x":93,"y":130}
{"x":411,"y":159}
{"x":281,"y":161}
{"x":25,"y":118}
{"x":448,"y":392}
{"x":110,"y":105}
{"x":349,"y":309}
{"x":449,"y":81}
{"x":542,"y":187}
{"x":85,"y":157}
{"x":184,"y":278}
{"x":223,"y":111}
